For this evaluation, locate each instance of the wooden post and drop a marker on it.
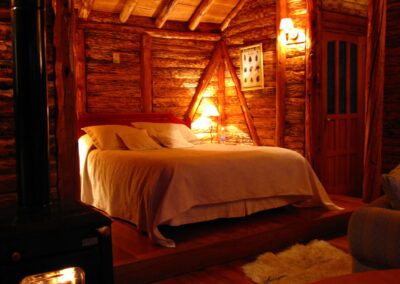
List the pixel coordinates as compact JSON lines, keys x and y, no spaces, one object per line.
{"x":221,"y":98}
{"x":374,"y":82}
{"x":313,"y":36}
{"x":280,"y":77}
{"x":146,"y":74}
{"x":68,"y":166}
{"x":242,"y":99}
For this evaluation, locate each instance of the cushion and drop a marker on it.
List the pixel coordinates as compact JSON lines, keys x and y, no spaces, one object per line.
{"x":391,"y":187}
{"x":105,"y":137}
{"x":172,"y":139}
{"x":153,"y":128}
{"x":138,"y":139}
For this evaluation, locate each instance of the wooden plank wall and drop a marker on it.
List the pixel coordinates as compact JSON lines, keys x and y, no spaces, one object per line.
{"x":177,"y":67}
{"x":112,"y":71}
{"x":255,"y":23}
{"x":7,"y":141}
{"x":391,"y":116}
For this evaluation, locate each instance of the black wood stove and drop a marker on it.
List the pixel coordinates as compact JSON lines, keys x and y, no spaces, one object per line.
{"x":43,"y":241}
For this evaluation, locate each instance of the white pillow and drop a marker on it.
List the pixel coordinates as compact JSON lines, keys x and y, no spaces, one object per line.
{"x":172,"y":139}
{"x":105,"y":137}
{"x":153,"y":128}
{"x":138,"y":139}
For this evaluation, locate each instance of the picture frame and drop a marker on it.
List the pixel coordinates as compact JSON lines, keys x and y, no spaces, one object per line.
{"x":251,"y":67}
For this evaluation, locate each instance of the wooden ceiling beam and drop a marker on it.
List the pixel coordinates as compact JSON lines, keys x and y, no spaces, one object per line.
{"x":201,"y":10}
{"x":85,"y":8}
{"x":127,"y":10}
{"x":165,"y":13}
{"x":232,"y":14}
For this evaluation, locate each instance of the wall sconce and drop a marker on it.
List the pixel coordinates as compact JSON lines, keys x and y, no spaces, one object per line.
{"x":287,"y":27}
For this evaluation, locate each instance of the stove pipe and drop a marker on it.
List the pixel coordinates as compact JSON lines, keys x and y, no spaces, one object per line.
{"x":30,"y":105}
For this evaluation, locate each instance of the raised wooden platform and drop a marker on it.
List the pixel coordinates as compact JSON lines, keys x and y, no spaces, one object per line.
{"x":137,"y":260}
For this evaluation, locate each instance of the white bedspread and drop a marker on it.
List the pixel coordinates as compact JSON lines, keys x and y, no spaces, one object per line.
{"x":151,"y":187}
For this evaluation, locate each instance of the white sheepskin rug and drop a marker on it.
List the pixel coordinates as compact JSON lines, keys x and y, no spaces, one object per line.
{"x":299,"y":264}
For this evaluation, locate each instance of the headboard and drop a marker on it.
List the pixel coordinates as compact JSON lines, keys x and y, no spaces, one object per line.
{"x":100,"y":118}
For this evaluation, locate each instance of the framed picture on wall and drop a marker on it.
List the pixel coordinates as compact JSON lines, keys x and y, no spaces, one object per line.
{"x":252,"y":67}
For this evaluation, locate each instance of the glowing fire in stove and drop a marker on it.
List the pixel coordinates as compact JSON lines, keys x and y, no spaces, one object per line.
{"x":71,"y":275}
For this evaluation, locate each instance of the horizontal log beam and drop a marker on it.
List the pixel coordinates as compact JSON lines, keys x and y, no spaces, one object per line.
{"x":152,"y":32}
{"x":184,"y":35}
{"x":232,"y":14}
{"x":199,"y":13}
{"x":128,"y":9}
{"x":165,"y":13}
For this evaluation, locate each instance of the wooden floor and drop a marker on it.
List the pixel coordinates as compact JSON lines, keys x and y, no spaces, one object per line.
{"x":232,"y":241}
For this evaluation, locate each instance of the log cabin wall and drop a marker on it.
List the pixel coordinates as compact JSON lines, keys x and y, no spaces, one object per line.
{"x":256,"y":23}
{"x":7,"y":140}
{"x":391,"y":116}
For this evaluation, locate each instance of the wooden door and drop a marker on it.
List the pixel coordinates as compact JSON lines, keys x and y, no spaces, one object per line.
{"x":341,"y":113}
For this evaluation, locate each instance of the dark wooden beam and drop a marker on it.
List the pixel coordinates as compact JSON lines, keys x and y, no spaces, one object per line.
{"x":67,"y":155}
{"x":199,"y":13}
{"x":232,"y":14}
{"x":313,"y":34}
{"x":165,"y":13}
{"x":216,"y":58}
{"x":127,"y":10}
{"x":243,"y":104}
{"x":221,"y":98}
{"x":374,"y":82}
{"x":280,"y":77}
{"x":146,"y":74}
{"x":85,"y":8}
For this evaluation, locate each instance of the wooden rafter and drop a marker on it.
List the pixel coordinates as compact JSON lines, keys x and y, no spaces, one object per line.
{"x":232,"y":14}
{"x":242,"y":99}
{"x":127,"y":10}
{"x":165,"y":13}
{"x":199,"y":13}
{"x":85,"y":8}
{"x":203,"y":82}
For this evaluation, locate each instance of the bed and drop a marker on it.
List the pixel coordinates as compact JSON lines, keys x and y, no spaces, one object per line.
{"x":185,"y":183}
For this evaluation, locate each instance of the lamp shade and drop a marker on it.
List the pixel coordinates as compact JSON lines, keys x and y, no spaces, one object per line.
{"x":286,"y":24}
{"x":210,"y":110}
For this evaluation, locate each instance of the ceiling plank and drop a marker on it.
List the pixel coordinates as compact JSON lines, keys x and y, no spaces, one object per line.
{"x":165,"y":13}
{"x":199,"y":13}
{"x":85,"y":8}
{"x":232,"y":14}
{"x":126,"y":12}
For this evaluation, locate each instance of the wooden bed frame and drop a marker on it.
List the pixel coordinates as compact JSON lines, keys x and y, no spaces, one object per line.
{"x":101,"y":118}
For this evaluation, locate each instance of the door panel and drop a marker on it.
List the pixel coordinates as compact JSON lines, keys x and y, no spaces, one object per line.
{"x":341,"y":129}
